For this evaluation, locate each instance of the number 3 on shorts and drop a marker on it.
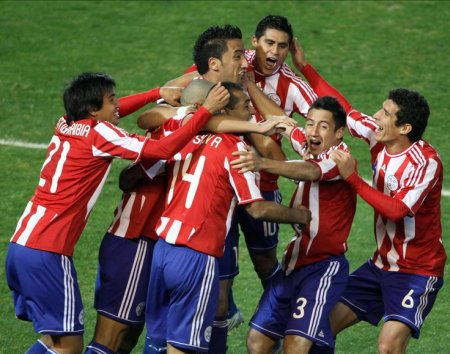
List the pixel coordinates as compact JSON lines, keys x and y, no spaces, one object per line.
{"x":300,"y":308}
{"x":408,"y":301}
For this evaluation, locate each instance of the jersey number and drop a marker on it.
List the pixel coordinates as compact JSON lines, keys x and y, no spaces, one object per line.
{"x":192,"y":178}
{"x":408,"y":301}
{"x":300,"y":308}
{"x":59,"y":165}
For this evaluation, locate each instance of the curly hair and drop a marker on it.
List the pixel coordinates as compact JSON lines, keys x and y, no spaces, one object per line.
{"x":413,"y":110}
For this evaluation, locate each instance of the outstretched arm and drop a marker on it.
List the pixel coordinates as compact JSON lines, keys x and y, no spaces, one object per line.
{"x":271,"y":211}
{"x":388,"y":206}
{"x":300,"y":170}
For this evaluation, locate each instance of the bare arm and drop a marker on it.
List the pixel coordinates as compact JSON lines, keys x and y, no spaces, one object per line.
{"x":264,"y":104}
{"x":267,"y":147}
{"x":228,"y":124}
{"x":271,"y":211}
{"x":156,"y":116}
{"x":182,"y":81}
{"x":299,"y":170}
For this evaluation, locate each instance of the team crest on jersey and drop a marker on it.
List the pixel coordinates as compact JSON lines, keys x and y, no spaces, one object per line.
{"x":274,"y":97}
{"x":208,"y":333}
{"x":140,"y":308}
{"x":392,"y":183}
{"x":81,"y":317}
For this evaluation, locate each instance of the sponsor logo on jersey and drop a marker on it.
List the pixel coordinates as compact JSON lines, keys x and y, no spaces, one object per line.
{"x":392,"y":183}
{"x":321,"y":335}
{"x":274,"y":97}
{"x":140,"y":308}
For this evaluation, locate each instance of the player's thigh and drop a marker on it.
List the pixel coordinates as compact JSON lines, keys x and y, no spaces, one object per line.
{"x":296,"y":345}
{"x":228,"y":263}
{"x":258,"y":342}
{"x":45,"y":290}
{"x":409,"y":298}
{"x":122,"y":279}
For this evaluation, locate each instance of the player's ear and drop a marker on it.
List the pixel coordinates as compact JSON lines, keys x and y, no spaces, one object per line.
{"x":340,"y":133}
{"x":214,"y":64}
{"x":405,"y":129}
{"x":254,"y":41}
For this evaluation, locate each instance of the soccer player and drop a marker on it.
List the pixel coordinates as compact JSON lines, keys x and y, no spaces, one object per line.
{"x":297,"y":303}
{"x":401,"y":281}
{"x":203,"y":192}
{"x":219,"y":56}
{"x":39,"y":265}
{"x":127,"y":248}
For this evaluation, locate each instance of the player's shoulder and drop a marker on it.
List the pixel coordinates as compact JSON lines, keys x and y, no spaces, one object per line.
{"x":422,"y":151}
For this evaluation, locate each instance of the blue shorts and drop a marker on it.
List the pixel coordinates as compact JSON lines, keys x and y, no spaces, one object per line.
{"x":182,"y":296}
{"x":373,"y":293}
{"x":45,"y":290}
{"x":228,"y":263}
{"x":260,"y":236}
{"x":122,"y":278}
{"x":299,"y":304}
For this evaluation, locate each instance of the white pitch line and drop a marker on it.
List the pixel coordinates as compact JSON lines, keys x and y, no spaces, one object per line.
{"x":18,"y":143}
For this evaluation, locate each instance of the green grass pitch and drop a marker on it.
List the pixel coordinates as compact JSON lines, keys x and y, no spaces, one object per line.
{"x":364,"y":48}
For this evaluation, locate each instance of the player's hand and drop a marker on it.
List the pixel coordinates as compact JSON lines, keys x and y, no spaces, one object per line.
{"x":297,"y":54}
{"x":130,"y":177}
{"x":171,"y":94}
{"x":270,"y":127}
{"x":344,"y":161}
{"x":304,"y":219}
{"x":283,"y":119}
{"x":248,"y":160}
{"x":217,"y":98}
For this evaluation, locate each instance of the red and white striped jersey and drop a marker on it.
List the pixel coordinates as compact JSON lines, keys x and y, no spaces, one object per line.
{"x":414,"y":176}
{"x":285,"y":88}
{"x":78,"y":161}
{"x":288,"y":91}
{"x":139,"y":210}
{"x":203,"y":191}
{"x":332,"y":202}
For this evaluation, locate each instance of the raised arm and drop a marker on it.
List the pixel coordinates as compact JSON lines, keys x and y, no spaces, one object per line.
{"x":320,"y":86}
{"x":130,"y":104}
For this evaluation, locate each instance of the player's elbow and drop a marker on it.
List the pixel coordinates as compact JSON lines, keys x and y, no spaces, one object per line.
{"x":256,"y":210}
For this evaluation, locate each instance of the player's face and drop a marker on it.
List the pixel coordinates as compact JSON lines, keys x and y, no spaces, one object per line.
{"x":387,"y":132}
{"x":233,"y":66}
{"x":321,"y":133}
{"x":110,"y":109}
{"x":271,"y":50}
{"x":243,"y":109}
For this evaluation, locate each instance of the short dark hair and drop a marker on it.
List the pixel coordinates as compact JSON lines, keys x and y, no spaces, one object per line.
{"x":279,"y":23}
{"x":212,"y":44}
{"x":232,"y":87}
{"x":332,"y":105}
{"x":85,"y":93}
{"x":413,"y":110}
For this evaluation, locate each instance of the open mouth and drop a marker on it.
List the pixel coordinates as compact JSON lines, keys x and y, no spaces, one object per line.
{"x":271,"y":62}
{"x":314,"y":143}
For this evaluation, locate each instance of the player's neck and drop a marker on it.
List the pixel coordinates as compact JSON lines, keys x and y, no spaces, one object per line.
{"x":398,"y":146}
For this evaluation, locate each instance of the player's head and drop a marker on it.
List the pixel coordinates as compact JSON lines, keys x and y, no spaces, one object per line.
{"x":239,"y":105}
{"x":91,"y":95}
{"x":404,"y":113}
{"x":325,"y":124}
{"x":196,"y":92}
{"x":271,"y":41}
{"x":219,"y":54}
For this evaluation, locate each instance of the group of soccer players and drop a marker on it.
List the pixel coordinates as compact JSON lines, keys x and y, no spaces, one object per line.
{"x":170,"y":255}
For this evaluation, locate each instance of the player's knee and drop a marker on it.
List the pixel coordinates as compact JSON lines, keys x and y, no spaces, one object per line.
{"x":254,"y":343}
{"x":67,"y":344}
{"x":389,"y":346}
